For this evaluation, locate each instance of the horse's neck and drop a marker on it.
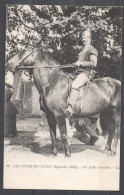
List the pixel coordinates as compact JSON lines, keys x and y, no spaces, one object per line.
{"x":45,"y":76}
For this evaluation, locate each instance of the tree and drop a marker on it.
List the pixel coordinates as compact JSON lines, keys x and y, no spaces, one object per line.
{"x":59,"y":28}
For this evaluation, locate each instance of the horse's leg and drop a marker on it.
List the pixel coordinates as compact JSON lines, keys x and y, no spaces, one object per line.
{"x":52,"y":126}
{"x":116,"y":132}
{"x":110,"y":128}
{"x":103,"y":123}
{"x":107,"y":124}
{"x":98,"y":127}
{"x":109,"y":141}
{"x":63,"y":132}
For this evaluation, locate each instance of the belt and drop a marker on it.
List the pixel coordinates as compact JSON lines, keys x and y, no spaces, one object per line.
{"x":79,"y":69}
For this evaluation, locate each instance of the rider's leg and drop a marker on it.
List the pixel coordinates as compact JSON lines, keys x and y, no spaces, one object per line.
{"x":80,"y":81}
{"x":77,"y":83}
{"x":72,"y":101}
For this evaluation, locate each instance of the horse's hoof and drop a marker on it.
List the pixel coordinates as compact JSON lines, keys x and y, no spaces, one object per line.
{"x":109,"y":152}
{"x":105,"y":150}
{"x":68,"y":155}
{"x":112,"y":153}
{"x":54,"y":153}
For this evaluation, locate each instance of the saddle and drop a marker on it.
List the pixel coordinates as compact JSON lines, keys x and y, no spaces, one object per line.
{"x":69,"y":79}
{"x":80,"y":98}
{"x":81,"y":89}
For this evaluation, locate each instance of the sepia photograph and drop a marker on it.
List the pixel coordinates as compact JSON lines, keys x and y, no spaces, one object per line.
{"x":62,"y":104}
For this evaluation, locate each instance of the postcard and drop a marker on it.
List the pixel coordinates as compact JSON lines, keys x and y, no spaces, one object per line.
{"x":62,"y":97}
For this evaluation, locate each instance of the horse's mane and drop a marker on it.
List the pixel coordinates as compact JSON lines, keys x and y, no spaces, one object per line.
{"x":45,"y":55}
{"x":53,"y":72}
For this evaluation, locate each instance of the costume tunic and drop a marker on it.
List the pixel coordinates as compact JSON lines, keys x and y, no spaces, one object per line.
{"x":85,"y":56}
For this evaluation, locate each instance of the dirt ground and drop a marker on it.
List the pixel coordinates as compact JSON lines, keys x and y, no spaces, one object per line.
{"x":27,"y":159}
{"x":34,"y":138}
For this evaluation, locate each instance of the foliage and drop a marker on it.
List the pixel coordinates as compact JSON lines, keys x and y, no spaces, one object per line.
{"x":59,"y":29}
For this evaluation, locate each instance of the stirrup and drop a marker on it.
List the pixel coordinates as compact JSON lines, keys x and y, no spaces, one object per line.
{"x":68,"y":114}
{"x":65,"y":112}
{"x":69,"y":111}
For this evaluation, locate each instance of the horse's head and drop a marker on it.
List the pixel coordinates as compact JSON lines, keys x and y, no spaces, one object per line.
{"x":23,"y":57}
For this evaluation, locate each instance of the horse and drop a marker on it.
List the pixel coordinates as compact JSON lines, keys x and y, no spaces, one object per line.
{"x":103,"y":94}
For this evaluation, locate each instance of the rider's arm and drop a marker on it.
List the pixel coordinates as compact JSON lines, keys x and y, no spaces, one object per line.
{"x":91,"y":63}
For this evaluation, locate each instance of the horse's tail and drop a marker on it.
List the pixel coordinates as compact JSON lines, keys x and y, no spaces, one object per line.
{"x":116,"y":93}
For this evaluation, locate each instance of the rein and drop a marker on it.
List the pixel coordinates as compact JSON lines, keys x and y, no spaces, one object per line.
{"x":26,"y":57}
{"x":31,"y":67}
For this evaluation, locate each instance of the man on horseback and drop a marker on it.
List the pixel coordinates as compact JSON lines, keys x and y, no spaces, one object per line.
{"x":53,"y":91}
{"x":87,"y":61}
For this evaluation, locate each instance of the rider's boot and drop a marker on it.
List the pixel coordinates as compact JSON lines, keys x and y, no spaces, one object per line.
{"x":72,"y":101}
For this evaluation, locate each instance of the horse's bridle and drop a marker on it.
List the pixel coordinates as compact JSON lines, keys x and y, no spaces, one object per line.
{"x":33,"y":50}
{"x":31,"y":67}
